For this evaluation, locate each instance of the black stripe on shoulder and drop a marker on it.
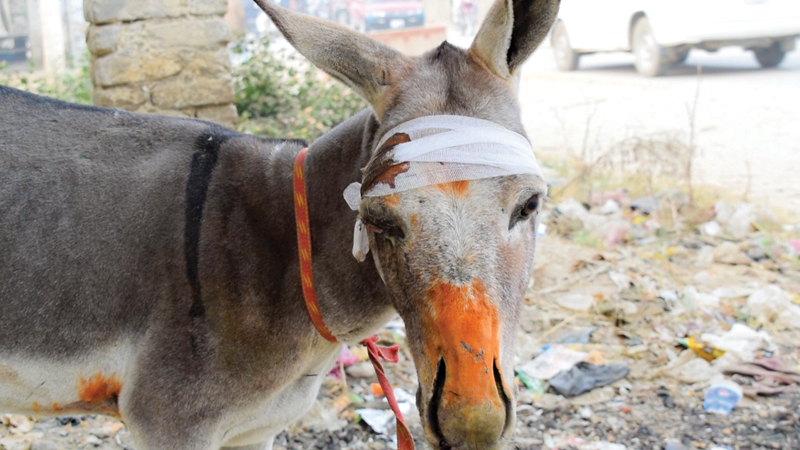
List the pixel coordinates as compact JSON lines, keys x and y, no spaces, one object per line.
{"x":203,"y":162}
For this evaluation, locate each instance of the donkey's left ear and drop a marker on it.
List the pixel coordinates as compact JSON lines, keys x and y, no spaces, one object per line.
{"x":511,"y":32}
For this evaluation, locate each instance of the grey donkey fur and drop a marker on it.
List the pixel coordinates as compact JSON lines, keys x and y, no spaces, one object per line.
{"x":148,"y":265}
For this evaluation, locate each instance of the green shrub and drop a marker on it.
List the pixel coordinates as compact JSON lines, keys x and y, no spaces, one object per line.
{"x":279,"y":94}
{"x":73,"y":85}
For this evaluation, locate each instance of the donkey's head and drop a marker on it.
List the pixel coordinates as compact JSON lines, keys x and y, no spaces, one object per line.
{"x":457,"y":256}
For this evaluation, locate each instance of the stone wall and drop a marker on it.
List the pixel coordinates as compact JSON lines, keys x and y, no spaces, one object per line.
{"x":162,"y":56}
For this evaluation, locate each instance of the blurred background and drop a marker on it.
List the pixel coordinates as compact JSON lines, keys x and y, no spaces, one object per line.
{"x":669,"y":132}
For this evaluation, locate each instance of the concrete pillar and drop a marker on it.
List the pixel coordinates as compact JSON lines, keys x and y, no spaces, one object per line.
{"x":46,"y":34}
{"x":162,"y":56}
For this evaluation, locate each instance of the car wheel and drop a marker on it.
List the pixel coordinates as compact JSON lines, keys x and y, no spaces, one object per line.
{"x":566,"y":57}
{"x":650,"y":60}
{"x":770,"y":56}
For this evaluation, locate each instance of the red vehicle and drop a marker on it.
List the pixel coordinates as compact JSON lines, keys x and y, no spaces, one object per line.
{"x":366,"y":15}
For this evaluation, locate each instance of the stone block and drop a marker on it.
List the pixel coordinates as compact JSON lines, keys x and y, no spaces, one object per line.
{"x":208,"y":7}
{"x":120,"y":67}
{"x":131,"y":66}
{"x":102,"y":40}
{"x":190,"y":32}
{"x":150,"y":109}
{"x":221,"y":114}
{"x":186,"y":91}
{"x":207,"y":63}
{"x":107,"y":11}
{"x":125,"y":97}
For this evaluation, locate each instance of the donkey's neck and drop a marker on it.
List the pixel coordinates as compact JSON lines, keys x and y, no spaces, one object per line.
{"x":352,"y":297}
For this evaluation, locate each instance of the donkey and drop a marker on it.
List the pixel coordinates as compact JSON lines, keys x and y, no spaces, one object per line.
{"x":149,"y":268}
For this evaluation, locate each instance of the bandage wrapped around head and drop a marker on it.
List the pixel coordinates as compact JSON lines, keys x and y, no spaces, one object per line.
{"x":433,"y":150}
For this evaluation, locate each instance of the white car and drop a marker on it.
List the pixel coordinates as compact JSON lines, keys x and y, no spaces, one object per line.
{"x":661,"y":32}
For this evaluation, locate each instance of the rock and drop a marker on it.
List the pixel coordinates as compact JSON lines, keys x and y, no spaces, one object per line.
{"x":729,"y":253}
{"x":576,"y":302}
{"x":585,"y":412}
{"x":594,"y":397}
{"x":222,"y":114}
{"x":552,"y":401}
{"x":43,"y":444}
{"x":182,"y":92}
{"x":19,"y":424}
{"x":129,"y":66}
{"x":103,"y":40}
{"x":123,"y":97}
{"x":106,"y":11}
{"x":190,"y":32}
{"x":363,"y":369}
{"x":13,"y":443}
{"x":208,"y":7}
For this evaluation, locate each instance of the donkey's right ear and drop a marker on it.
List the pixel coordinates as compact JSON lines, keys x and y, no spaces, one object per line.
{"x":366,"y":65}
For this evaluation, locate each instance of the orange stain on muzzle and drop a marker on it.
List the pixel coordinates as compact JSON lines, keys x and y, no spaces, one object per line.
{"x":462,"y":327}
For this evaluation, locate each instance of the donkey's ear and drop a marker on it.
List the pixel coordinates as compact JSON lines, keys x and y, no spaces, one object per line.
{"x":367,"y":66}
{"x":511,"y":32}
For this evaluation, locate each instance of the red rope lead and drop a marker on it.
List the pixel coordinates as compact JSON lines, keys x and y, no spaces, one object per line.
{"x":376,"y":353}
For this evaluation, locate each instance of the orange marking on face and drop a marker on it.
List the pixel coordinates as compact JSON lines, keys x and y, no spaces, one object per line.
{"x":99,"y":388}
{"x":457,"y":188}
{"x":36,"y":407}
{"x":392,"y":199}
{"x":462,"y":327}
{"x":414,"y":221}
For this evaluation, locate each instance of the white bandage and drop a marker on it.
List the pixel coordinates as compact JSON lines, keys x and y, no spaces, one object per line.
{"x":444,"y":149}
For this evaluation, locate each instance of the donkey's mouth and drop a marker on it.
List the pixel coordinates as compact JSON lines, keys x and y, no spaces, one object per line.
{"x":466,"y":441}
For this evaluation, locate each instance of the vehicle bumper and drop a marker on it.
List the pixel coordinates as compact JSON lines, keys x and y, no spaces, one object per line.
{"x":414,"y":20}
{"x":696,"y":33}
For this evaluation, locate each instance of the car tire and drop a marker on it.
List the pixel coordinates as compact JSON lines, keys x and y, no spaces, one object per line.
{"x":649,"y":56}
{"x":770,"y":56}
{"x":566,"y":57}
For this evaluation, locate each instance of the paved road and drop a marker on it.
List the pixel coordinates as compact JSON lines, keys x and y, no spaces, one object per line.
{"x":745,"y":116}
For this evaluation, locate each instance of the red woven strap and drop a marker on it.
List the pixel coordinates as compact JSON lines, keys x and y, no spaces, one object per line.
{"x":304,"y":247}
{"x":376,"y":353}
{"x":404,"y":439}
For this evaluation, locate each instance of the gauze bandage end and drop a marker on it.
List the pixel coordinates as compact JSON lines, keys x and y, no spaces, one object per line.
{"x":442,"y":149}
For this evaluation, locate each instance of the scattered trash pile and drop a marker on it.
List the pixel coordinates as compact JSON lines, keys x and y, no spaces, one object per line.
{"x":633,"y":336}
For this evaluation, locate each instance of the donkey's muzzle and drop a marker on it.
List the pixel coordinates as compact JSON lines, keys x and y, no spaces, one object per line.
{"x":459,"y":422}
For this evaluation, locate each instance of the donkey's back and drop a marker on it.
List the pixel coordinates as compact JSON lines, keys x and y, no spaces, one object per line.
{"x":100,"y":223}
{"x":87,"y":195}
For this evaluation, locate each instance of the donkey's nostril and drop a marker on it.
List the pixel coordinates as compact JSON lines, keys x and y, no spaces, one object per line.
{"x":501,"y":391}
{"x":436,"y":401}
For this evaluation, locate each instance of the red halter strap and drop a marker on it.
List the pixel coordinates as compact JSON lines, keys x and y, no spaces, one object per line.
{"x":376,"y":353}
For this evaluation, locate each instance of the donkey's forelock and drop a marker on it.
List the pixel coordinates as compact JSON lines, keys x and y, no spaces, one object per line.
{"x":454,"y":81}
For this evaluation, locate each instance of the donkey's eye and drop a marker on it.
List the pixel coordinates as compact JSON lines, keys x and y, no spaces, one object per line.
{"x":384,"y":228}
{"x":530,"y":207}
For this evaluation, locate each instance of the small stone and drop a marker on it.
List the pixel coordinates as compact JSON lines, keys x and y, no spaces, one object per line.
{"x":362,"y":369}
{"x":585,"y":412}
{"x":42,"y":444}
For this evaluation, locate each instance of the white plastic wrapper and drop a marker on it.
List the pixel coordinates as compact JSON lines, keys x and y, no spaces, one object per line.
{"x":444,"y":149}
